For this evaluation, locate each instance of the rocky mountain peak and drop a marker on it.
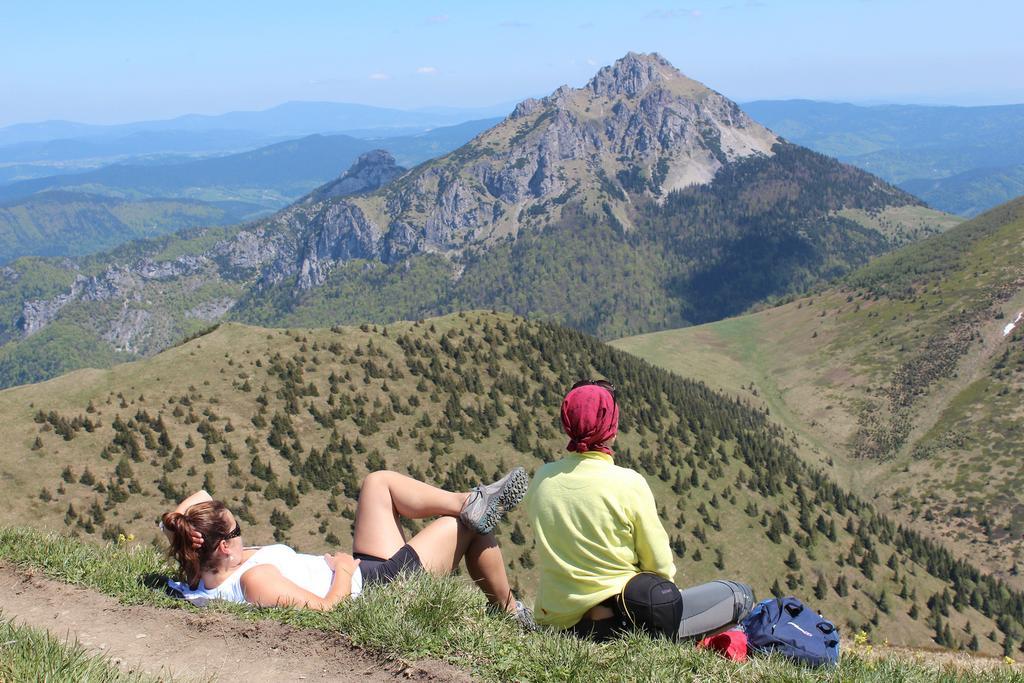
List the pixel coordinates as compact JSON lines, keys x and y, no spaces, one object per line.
{"x":372,"y":170}
{"x":369,"y":162}
{"x":632,"y":75}
{"x":639,"y":125}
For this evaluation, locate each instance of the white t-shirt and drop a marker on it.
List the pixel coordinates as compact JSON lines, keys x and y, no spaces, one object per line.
{"x":309,"y":572}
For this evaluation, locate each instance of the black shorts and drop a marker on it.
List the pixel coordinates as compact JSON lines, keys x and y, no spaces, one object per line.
{"x":378,"y":571}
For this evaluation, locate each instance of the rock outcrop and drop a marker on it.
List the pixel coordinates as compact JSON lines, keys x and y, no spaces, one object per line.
{"x":339,"y":232}
{"x":38,"y":313}
{"x":371,"y":171}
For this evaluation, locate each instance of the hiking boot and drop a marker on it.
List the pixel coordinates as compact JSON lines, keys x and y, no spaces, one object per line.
{"x":487,"y":504}
{"x":744,"y":600}
{"x":524,"y":615}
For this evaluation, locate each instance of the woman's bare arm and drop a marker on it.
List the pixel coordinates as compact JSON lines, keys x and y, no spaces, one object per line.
{"x":197,"y":497}
{"x":265,"y":586}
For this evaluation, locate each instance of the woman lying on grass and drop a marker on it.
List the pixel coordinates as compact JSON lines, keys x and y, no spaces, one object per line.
{"x":206,"y":541}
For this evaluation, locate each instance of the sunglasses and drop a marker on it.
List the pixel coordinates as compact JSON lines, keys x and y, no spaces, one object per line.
{"x":603,"y":383}
{"x":234,"y":533}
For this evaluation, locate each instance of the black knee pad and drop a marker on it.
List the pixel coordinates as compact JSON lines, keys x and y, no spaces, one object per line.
{"x":653,"y":604}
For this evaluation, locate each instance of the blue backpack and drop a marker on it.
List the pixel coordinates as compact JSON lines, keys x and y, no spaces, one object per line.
{"x":793,"y":630}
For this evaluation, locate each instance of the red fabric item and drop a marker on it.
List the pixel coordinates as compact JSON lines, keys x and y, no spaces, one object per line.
{"x":590,"y":418}
{"x":730,"y":644}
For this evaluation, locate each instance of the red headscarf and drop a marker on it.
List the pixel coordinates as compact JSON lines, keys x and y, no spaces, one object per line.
{"x":590,"y":418}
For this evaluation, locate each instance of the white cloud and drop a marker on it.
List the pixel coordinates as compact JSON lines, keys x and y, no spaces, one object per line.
{"x":428,"y":70}
{"x":379,"y":76}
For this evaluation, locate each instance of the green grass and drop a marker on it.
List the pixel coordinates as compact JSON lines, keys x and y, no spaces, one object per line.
{"x":730,"y":358}
{"x":29,"y":654}
{"x":426,"y":617}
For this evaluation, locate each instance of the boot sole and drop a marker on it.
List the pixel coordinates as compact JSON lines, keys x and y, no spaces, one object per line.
{"x":508,"y":497}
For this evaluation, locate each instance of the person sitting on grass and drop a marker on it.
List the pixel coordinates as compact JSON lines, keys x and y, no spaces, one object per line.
{"x":206,"y":541}
{"x":603,"y":555}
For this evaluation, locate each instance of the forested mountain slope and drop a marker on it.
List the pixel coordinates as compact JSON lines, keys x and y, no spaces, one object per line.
{"x":904,"y":378}
{"x":283,"y":424}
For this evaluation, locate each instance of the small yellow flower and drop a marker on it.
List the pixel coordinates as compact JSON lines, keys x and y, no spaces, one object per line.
{"x":860,"y":638}
{"x":121,"y":539}
{"x":1008,"y":661}
{"x":131,"y":537}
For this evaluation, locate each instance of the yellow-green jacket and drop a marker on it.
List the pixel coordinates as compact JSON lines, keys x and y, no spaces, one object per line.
{"x":596,"y":525}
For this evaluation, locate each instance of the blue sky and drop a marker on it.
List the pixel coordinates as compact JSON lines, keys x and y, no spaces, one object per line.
{"x":106,"y":62}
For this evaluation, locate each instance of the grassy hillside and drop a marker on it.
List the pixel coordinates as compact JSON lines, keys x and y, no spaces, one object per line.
{"x":444,"y":619}
{"x":900,"y":379}
{"x":283,"y":424}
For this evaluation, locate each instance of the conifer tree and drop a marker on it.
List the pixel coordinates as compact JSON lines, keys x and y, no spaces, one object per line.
{"x":792,"y":561}
{"x":883,"y":601}
{"x":820,"y":588}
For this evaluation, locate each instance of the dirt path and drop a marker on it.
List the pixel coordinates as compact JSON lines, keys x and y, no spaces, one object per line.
{"x":167,"y":642}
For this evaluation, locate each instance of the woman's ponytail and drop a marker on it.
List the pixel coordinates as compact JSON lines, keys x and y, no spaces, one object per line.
{"x":205,"y":519}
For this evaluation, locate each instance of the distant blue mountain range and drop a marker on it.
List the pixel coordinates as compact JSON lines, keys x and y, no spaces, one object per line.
{"x":88,"y":211}
{"x":282,"y":171}
{"x":959,"y":159}
{"x":291,"y":119}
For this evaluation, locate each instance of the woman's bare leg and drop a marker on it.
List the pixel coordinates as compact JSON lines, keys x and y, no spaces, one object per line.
{"x":386,"y":495}
{"x":443,"y":544}
{"x":487,"y":569}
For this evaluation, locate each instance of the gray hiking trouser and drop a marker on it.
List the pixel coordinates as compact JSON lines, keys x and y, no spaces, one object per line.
{"x":658,"y":606}
{"x":710,"y":606}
